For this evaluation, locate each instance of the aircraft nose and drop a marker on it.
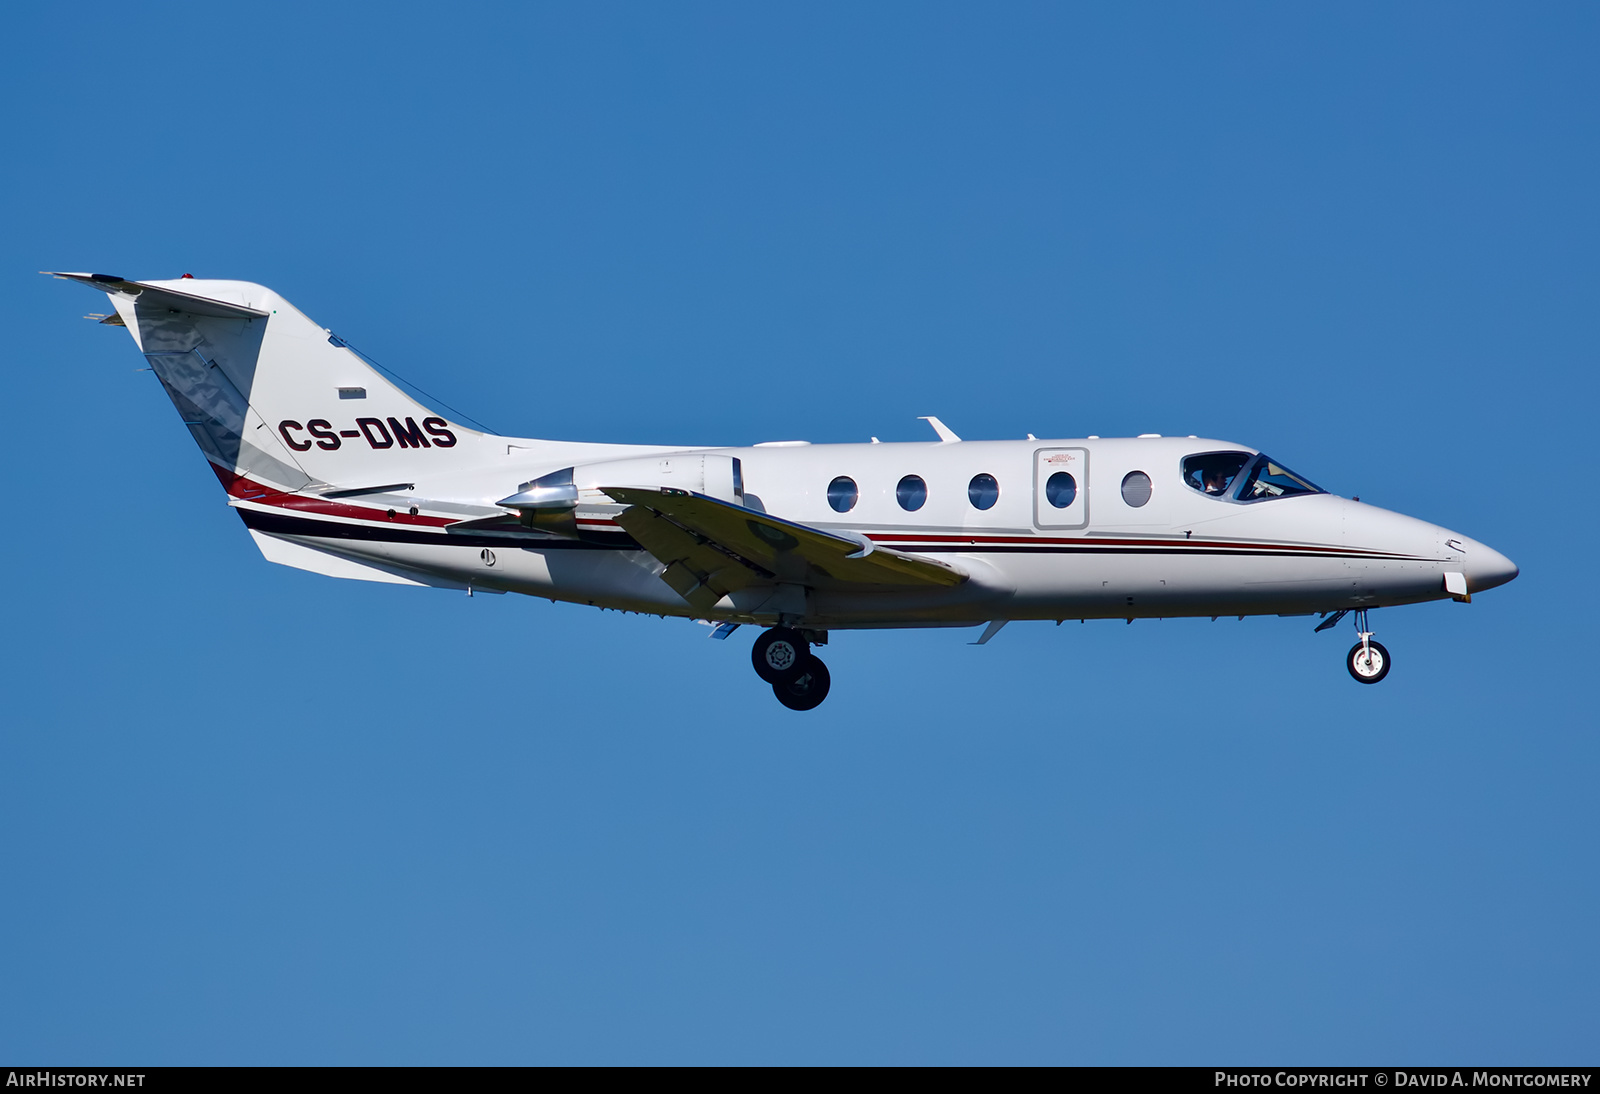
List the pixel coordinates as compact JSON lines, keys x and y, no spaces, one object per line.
{"x":1486,"y":568}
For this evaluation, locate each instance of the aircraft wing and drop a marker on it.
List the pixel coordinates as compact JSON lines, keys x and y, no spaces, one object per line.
{"x":714,"y":547}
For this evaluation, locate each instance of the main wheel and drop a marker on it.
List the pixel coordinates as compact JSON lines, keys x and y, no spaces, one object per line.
{"x":809,"y":687}
{"x":1369,"y":663}
{"x":779,"y":654}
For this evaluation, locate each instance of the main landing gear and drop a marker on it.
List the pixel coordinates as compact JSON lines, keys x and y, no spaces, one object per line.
{"x":783,"y":658}
{"x":1368,"y":661}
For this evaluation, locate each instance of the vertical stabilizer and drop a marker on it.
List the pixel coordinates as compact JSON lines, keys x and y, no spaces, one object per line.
{"x":272,"y":398}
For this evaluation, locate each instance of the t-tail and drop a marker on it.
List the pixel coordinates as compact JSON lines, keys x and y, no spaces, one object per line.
{"x":270,"y":397}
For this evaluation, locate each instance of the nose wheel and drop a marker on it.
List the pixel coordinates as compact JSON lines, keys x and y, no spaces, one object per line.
{"x":783,"y":658}
{"x":1368,"y":661}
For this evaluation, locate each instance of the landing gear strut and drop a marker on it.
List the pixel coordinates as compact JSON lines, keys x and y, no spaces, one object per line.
{"x":1367,"y":660}
{"x":783,"y":658}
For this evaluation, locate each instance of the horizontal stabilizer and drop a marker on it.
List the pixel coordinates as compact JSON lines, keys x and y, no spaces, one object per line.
{"x":289,"y":553}
{"x":162,"y":297}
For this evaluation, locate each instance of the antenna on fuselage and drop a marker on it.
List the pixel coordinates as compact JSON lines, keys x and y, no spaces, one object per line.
{"x":946,"y":434}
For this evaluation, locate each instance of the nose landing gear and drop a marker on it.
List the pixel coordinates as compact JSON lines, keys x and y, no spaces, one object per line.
{"x":783,"y":658}
{"x":1368,"y":661}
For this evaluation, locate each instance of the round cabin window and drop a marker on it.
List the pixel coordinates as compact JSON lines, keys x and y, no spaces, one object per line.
{"x":983,"y":491}
{"x":911,"y":493}
{"x":842,"y":494}
{"x":1136,"y":488}
{"x":1061,"y":489}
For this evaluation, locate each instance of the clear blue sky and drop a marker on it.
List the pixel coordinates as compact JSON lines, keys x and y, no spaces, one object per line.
{"x":251,"y":814}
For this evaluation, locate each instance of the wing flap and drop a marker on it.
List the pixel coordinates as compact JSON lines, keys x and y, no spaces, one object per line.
{"x":726,"y":542}
{"x":697,"y":569}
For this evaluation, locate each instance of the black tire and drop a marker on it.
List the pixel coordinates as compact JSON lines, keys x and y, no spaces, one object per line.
{"x":809,"y":687}
{"x":1364,"y":672}
{"x":779,"y":654}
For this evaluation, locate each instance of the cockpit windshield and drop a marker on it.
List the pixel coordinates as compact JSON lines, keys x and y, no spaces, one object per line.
{"x":1214,"y":472}
{"x":1268,"y":479}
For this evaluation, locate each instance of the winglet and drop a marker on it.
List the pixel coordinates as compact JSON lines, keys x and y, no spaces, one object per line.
{"x":946,"y":434}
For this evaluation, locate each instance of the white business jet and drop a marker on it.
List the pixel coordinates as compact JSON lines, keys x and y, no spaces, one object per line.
{"x":336,"y":470}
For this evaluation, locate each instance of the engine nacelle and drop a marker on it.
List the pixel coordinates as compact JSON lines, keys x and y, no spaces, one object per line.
{"x":562,"y":500}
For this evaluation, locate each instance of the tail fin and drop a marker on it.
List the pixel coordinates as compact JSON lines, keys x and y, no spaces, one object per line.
{"x":274,"y":400}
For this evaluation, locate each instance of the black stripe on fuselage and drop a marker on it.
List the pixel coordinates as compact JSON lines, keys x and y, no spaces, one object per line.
{"x":1027,"y":549}
{"x":280,"y":524}
{"x":284,"y":525}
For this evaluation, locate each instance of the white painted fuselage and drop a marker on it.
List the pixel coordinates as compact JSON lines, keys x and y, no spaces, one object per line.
{"x":1182,"y":553}
{"x":336,"y":470}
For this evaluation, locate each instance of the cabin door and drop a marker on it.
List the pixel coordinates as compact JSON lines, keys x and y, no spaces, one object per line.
{"x":1061,"y":487}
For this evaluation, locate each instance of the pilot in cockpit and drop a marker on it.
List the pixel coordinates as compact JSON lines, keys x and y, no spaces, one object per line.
{"x":1214,"y":473}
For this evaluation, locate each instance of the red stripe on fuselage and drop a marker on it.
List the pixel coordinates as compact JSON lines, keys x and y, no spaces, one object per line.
{"x":247,"y":489}
{"x":1091,"y":541}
